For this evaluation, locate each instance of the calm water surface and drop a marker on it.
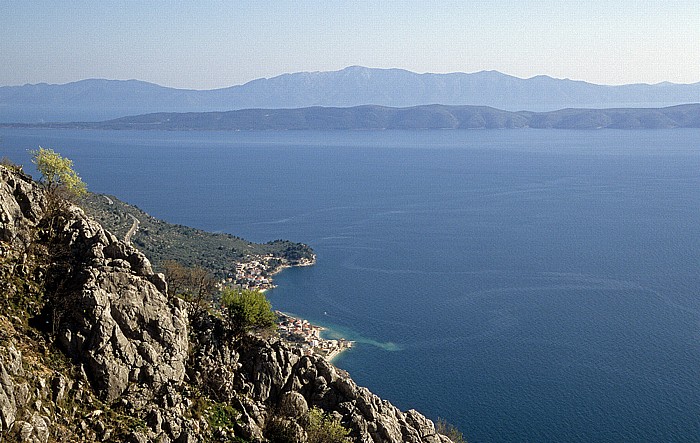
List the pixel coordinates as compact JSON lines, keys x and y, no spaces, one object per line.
{"x":525,"y":285}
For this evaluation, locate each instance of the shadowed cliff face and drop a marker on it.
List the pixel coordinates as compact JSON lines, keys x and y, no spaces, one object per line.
{"x":109,"y":356}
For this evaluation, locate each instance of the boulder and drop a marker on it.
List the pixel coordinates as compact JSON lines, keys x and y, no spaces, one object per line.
{"x":293,"y":404}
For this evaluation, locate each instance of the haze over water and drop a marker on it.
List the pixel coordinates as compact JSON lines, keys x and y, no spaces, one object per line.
{"x":524,"y":285}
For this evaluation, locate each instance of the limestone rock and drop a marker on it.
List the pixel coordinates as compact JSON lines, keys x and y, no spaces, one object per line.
{"x":271,"y":373}
{"x":119,"y":323}
{"x":8,"y":405}
{"x":293,"y":404}
{"x":35,"y":430}
{"x":21,"y":204}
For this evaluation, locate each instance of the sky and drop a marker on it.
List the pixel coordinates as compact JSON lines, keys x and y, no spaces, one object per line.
{"x":214,"y":44}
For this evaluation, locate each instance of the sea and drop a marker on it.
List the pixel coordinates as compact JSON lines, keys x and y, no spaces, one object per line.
{"x":523,"y":285}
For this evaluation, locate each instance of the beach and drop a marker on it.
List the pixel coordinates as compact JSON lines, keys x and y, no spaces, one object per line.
{"x":299,"y":333}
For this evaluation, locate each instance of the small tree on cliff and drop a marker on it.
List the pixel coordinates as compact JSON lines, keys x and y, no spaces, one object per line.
{"x":195,"y":284}
{"x":61,"y":183}
{"x":57,"y":175}
{"x":248,"y":310}
{"x":449,"y":430}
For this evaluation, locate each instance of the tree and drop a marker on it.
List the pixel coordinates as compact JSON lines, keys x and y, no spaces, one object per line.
{"x":57,"y":174}
{"x":247,"y":310}
{"x":60,"y":183}
{"x":194,"y":284}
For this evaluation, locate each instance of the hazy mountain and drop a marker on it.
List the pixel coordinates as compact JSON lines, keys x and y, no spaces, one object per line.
{"x":94,"y":100}
{"x":372,"y":117}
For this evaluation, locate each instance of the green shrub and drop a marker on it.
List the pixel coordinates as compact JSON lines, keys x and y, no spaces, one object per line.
{"x":280,"y":430}
{"x":324,"y":428}
{"x":221,"y":415}
{"x":247,"y":310}
{"x":449,"y":430}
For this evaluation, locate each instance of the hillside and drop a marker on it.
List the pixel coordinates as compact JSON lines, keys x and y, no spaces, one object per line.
{"x":92,"y":348}
{"x":217,"y":252}
{"x":97,"y":99}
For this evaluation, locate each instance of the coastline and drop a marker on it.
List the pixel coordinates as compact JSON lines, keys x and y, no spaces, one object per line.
{"x":304,"y":262}
{"x":256,"y":272}
{"x":301,"y":334}
{"x":335,"y":354}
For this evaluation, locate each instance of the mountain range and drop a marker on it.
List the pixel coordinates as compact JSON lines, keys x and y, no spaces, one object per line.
{"x":98,"y":99}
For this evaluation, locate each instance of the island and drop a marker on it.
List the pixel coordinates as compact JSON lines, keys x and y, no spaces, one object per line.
{"x":372,"y":117}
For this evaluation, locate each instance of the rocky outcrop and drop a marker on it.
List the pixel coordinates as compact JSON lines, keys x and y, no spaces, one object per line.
{"x":16,"y":395}
{"x":32,"y":397}
{"x":10,"y":367}
{"x":109,"y":309}
{"x":21,"y":205}
{"x":106,"y":354}
{"x":103,"y":306}
{"x":280,"y":380}
{"x":125,"y":329}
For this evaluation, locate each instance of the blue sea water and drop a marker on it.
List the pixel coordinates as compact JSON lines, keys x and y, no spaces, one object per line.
{"x":524,"y":285}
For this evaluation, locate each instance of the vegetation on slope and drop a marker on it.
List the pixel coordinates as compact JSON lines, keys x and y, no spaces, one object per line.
{"x":162,"y":241}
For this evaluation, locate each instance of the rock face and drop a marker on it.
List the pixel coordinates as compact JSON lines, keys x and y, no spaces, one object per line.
{"x":106,"y":354}
{"x":277,"y":378}
{"x":115,"y":316}
{"x":125,"y":329}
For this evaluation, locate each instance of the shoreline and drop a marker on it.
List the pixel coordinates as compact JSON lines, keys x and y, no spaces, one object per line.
{"x":301,"y":334}
{"x":256,"y":272}
{"x":335,"y":354}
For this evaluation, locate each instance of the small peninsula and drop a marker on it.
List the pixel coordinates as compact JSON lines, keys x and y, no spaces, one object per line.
{"x":229,"y":258}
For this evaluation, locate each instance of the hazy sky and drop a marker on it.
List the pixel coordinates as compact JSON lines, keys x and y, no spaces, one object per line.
{"x":208,"y":44}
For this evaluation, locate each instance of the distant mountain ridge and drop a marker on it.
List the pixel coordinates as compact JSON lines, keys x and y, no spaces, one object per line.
{"x":95,"y":100}
{"x":372,"y":117}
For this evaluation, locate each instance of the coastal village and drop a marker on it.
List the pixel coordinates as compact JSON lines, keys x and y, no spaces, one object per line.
{"x":303,"y":335}
{"x":256,"y":272}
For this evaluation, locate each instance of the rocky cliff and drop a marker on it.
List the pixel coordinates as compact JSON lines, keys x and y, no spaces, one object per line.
{"x":93,"y":349}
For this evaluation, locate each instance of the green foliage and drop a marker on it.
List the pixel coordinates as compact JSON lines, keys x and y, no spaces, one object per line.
{"x":57,"y":173}
{"x":222,"y":415}
{"x":280,"y":430}
{"x":319,"y":427}
{"x":449,"y":430}
{"x":324,"y":428}
{"x":161,"y":241}
{"x":247,"y":310}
